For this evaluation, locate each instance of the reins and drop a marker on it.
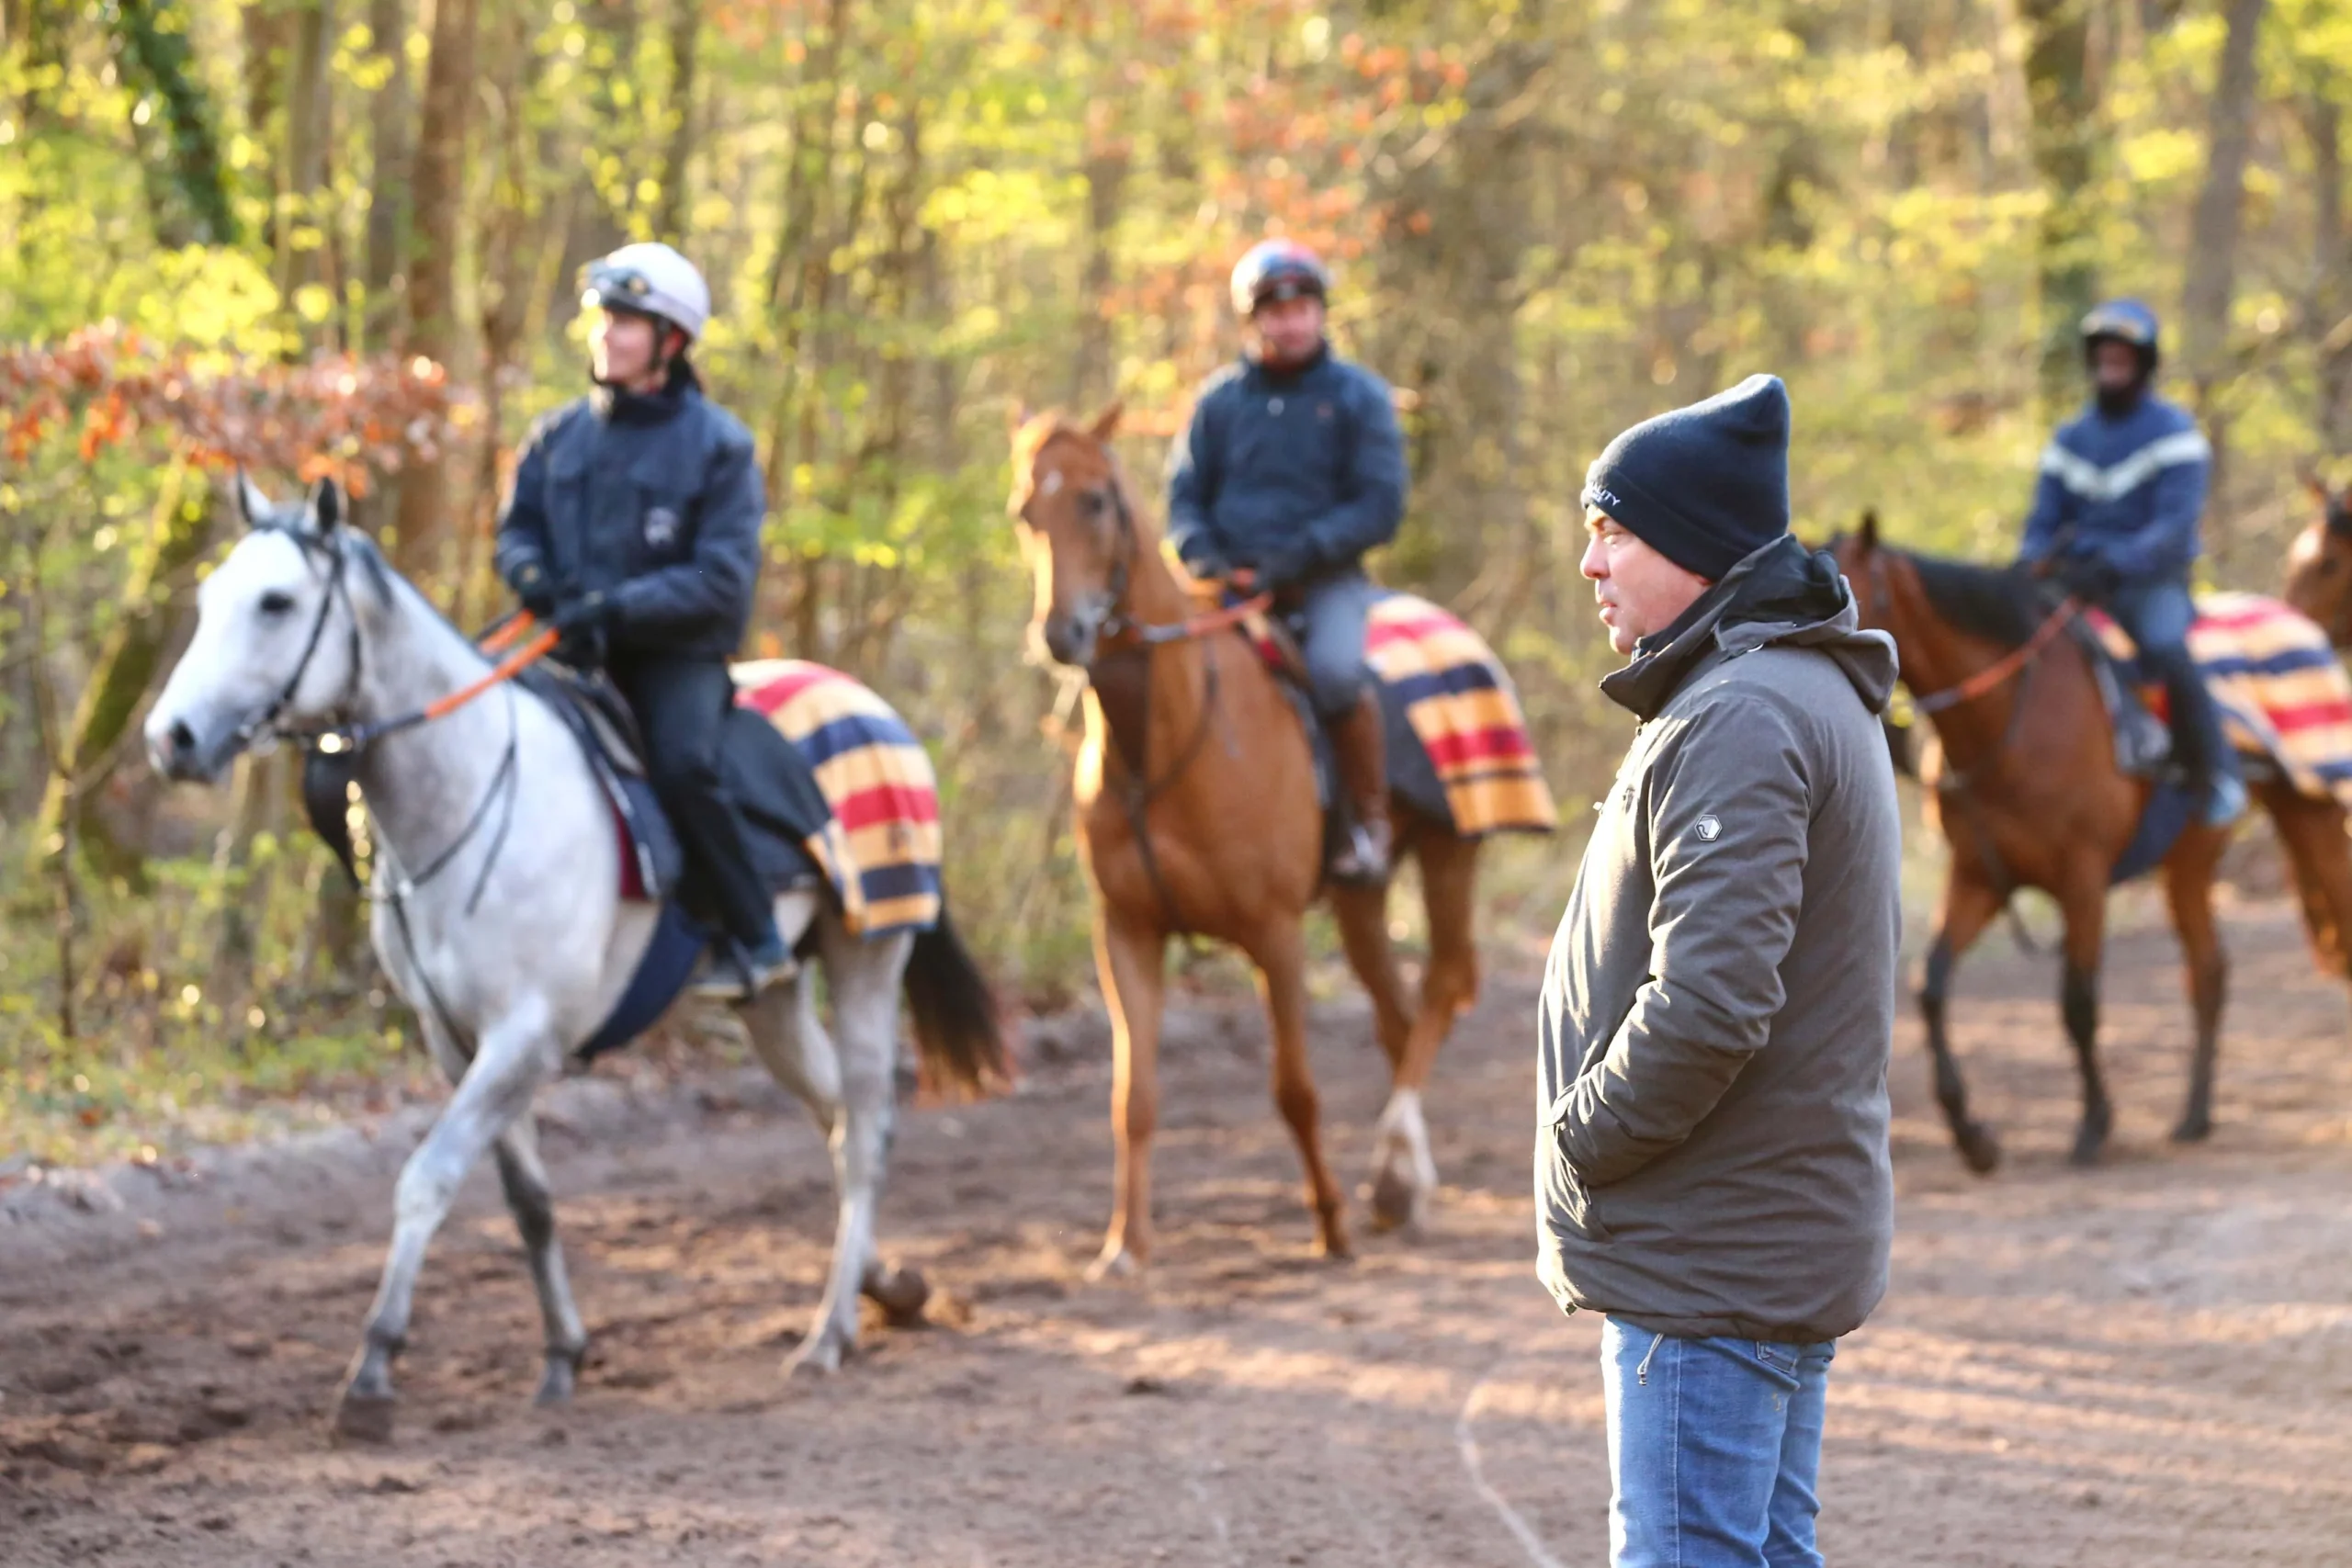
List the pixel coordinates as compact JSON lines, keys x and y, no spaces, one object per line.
{"x":2007,"y":667}
{"x":1132,"y":638}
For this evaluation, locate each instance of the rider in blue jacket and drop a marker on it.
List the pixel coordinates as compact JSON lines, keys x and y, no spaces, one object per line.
{"x":1292,"y":469}
{"x":634,"y":528}
{"x":2115,"y":517}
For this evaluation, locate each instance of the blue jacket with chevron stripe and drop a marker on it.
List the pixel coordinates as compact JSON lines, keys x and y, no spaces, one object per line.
{"x":2124,"y":491}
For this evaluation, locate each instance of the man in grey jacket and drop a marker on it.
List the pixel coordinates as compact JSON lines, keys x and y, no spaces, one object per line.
{"x":1711,"y":1166}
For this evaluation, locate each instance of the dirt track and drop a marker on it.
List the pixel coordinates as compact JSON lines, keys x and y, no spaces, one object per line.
{"x":2148,"y":1365}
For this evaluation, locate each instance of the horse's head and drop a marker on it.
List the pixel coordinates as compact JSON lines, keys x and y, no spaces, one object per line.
{"x":1868,"y":566}
{"x":275,"y":639}
{"x":1077,"y":533}
{"x":2319,"y":564}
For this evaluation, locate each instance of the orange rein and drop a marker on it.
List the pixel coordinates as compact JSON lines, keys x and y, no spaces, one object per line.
{"x":506,"y":636}
{"x":1203,"y":625}
{"x":2004,"y":668}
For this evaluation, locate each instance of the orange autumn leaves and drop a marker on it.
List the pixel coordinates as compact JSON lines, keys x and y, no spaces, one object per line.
{"x":333,"y":416}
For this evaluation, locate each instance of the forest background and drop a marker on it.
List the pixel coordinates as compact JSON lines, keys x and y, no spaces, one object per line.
{"x":342,"y":235}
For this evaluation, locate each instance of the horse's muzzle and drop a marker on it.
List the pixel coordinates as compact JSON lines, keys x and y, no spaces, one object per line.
{"x":1071,"y":638}
{"x":178,"y":752}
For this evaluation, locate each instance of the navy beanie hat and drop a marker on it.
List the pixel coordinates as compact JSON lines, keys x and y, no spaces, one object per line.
{"x":1706,"y":486}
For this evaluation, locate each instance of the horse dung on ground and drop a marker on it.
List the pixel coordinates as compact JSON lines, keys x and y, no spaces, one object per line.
{"x":500,"y":915}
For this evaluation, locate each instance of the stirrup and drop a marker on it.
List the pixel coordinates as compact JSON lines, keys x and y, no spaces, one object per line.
{"x":2224,"y":801}
{"x":1361,"y":859}
{"x":731,"y":973}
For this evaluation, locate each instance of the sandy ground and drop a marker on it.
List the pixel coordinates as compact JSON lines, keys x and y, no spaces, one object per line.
{"x":2148,"y":1365}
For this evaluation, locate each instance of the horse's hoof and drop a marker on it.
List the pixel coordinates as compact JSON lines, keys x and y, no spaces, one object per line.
{"x":364,"y":1418}
{"x":901,"y":1293}
{"x":1115,"y":1263}
{"x":819,"y":1358}
{"x":558,"y":1382}
{"x":1396,"y":1202}
{"x":2193,"y":1129}
{"x":1331,"y":1246}
{"x":2087,"y":1148}
{"x":1980,"y":1149}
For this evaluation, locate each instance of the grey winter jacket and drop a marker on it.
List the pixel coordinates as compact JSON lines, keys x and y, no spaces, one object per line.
{"x":1711,"y":1043}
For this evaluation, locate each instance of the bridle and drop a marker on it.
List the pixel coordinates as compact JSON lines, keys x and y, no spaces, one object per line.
{"x":1120,"y":636}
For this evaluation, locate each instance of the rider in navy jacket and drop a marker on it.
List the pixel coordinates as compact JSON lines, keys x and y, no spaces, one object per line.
{"x":2115,"y":517}
{"x":634,"y":527}
{"x":1291,"y":469}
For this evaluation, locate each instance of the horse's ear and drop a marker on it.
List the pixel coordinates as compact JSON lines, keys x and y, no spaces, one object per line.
{"x":326,"y":506}
{"x":1016,"y":417}
{"x":1868,"y":530}
{"x":2317,"y":486}
{"x":1106,"y":424}
{"x":253,"y":502}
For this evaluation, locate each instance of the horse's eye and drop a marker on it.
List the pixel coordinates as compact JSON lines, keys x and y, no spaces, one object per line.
{"x":2329,"y":566}
{"x":275,"y":603}
{"x":1094,"y":503}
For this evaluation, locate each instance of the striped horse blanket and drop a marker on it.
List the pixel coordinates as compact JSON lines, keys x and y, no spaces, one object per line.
{"x":2284,"y":697}
{"x":881,"y":850}
{"x":1459,"y":702}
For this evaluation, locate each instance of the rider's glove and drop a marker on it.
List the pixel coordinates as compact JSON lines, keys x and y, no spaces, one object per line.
{"x":532,"y":587}
{"x":583,"y":614}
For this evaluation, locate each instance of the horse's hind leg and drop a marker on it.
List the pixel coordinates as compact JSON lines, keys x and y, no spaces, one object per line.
{"x":2188,"y":885}
{"x":524,"y":1177}
{"x":1280,"y":954}
{"x":2084,"y":906}
{"x":1969,"y":907}
{"x":1406,"y":1172}
{"x":849,"y":1091}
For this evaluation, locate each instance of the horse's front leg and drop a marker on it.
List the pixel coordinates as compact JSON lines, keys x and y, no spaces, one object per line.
{"x":1969,"y":907}
{"x":2084,"y":907}
{"x":515,"y":1058}
{"x":1131,"y":957}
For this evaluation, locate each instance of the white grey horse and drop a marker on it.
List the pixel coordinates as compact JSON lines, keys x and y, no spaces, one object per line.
{"x":498,"y":914}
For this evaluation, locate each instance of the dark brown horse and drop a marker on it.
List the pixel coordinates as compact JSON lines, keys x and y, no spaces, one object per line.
{"x":1198,"y":813}
{"x":2319,"y":565}
{"x":2028,"y":793}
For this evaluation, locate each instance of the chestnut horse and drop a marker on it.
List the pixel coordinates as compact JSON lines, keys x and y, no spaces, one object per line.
{"x":2028,"y":795}
{"x":1198,"y":813}
{"x":2319,"y":565}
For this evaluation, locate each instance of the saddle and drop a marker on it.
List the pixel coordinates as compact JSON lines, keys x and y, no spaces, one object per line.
{"x":767,"y":777}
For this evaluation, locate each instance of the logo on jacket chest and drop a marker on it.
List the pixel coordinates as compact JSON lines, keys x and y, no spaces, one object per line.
{"x":661,"y":528}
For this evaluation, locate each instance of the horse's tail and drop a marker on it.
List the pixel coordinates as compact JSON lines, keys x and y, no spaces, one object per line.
{"x":955,"y":1019}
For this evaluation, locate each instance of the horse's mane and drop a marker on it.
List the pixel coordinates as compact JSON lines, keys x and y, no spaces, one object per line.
{"x":2001,"y":603}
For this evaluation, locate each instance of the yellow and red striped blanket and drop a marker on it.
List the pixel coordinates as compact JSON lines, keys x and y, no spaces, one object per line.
{"x":2283,"y":695}
{"x":1459,"y":701}
{"x":881,"y":850}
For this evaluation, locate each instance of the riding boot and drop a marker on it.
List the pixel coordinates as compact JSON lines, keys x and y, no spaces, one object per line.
{"x":1358,"y":745}
{"x":2202,"y":749}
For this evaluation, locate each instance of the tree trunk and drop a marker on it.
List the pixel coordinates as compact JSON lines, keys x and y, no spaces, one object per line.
{"x":387,"y":127}
{"x":2213,"y":234}
{"x":151,"y":48}
{"x":2064,"y":108}
{"x":2330,"y":297}
{"x":126,"y":666}
{"x":301,"y":234}
{"x":439,"y":187}
{"x":685,"y":42}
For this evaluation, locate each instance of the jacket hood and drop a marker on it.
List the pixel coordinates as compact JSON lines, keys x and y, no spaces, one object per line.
{"x":1782,"y":594}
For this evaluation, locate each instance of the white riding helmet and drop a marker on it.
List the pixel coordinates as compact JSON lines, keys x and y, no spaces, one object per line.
{"x":649,"y":280}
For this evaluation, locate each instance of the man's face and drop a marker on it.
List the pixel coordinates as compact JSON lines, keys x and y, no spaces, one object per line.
{"x":1640,"y":591}
{"x":620,"y":347}
{"x":1288,"y":329}
{"x":2114,"y":366}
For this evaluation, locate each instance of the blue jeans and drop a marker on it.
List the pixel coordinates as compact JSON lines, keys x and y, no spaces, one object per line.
{"x":2157,"y":615}
{"x":1714,"y":1449}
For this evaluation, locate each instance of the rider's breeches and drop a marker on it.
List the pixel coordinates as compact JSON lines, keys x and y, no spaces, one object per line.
{"x":1336,"y":609}
{"x":2157,"y":616}
{"x":682,"y":706}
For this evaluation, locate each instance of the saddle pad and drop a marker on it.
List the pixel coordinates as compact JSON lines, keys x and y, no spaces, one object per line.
{"x":881,"y":850}
{"x":1458,"y":699}
{"x":2283,"y":695}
